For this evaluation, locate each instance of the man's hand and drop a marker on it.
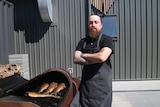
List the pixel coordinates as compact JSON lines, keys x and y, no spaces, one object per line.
{"x":78,"y":58}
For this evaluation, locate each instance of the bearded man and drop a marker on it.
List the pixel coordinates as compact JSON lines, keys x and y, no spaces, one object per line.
{"x":93,"y":52}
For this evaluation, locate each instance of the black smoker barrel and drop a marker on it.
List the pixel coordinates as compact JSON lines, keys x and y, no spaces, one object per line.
{"x":28,"y":92}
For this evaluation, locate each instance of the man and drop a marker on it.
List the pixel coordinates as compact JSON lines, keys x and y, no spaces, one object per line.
{"x":94,"y":53}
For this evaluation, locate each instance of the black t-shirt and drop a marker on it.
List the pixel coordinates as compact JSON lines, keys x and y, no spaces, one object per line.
{"x":106,"y":41}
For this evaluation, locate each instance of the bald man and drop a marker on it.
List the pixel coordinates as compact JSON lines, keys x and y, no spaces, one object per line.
{"x":93,"y":52}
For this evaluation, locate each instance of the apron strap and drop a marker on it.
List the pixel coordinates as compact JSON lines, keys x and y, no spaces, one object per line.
{"x":99,"y":38}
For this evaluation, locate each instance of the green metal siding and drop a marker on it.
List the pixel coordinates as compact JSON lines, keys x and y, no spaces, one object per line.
{"x":6,"y":31}
{"x":49,"y":45}
{"x":137,"y":49}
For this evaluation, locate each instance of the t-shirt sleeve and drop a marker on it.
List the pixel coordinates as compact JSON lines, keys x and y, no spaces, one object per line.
{"x":107,"y":42}
{"x":79,"y":47}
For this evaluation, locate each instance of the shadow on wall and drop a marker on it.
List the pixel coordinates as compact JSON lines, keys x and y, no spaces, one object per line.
{"x":27,"y":19}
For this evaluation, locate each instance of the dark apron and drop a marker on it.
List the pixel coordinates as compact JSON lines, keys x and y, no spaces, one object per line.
{"x":96,"y":84}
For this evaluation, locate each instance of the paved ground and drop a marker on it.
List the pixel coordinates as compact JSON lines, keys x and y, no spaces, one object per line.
{"x":136,"y":94}
{"x":136,"y":99}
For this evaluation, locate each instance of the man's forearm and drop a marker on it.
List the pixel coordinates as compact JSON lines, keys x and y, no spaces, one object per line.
{"x":78,"y":59}
{"x":91,"y":58}
{"x":98,"y":57}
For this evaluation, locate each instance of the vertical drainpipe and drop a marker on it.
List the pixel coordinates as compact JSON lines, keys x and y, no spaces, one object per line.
{"x":87,"y":13}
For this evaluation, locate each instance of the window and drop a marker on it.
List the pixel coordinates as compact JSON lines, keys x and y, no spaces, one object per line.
{"x":109,"y":25}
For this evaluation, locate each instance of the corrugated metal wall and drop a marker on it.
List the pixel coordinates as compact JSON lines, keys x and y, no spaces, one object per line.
{"x":6,"y":31}
{"x":49,"y":45}
{"x":137,"y":49}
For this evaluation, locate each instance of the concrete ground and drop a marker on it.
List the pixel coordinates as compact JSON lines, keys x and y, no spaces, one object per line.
{"x":136,"y":93}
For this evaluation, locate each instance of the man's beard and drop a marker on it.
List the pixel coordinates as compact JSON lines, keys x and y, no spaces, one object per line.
{"x":93,"y":32}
